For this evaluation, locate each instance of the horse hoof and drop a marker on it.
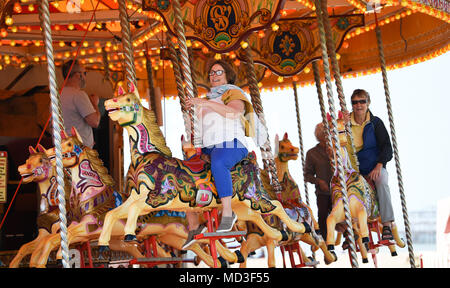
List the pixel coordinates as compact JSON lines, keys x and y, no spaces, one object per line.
{"x":130,"y":238}
{"x":330,"y":247}
{"x":394,"y":253}
{"x":365,"y":260}
{"x":365,"y":239}
{"x":307,"y":227}
{"x":223,"y":262}
{"x":240,"y":257}
{"x":197,"y":260}
{"x":334,"y":256}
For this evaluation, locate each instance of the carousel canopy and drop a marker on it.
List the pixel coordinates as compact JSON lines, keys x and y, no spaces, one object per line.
{"x":283,"y":36}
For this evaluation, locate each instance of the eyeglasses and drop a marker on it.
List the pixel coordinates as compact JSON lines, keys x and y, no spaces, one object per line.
{"x":362,"y":101}
{"x":218,"y":72}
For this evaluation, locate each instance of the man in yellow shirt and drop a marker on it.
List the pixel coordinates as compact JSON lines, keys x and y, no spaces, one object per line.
{"x":374,"y":150}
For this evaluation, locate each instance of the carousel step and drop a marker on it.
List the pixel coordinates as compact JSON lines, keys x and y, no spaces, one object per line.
{"x":220,"y":235}
{"x":312,"y":263}
{"x":161,"y":260}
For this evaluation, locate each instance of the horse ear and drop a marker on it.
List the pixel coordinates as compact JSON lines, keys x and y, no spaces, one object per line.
{"x":41,"y":148}
{"x":75,"y":133}
{"x":340,"y":115}
{"x":182,"y":138}
{"x":63,"y":134}
{"x":328,"y":117}
{"x":120,"y":91}
{"x":31,"y":150}
{"x":285,"y":137}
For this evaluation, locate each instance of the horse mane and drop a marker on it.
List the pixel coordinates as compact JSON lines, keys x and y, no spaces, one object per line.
{"x":97,"y":164}
{"x":155,"y":134}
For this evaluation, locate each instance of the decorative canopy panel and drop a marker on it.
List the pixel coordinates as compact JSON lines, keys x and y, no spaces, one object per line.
{"x":219,"y":24}
{"x":412,"y":31}
{"x":293,"y":43}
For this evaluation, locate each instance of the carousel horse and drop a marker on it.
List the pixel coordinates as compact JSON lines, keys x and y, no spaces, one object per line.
{"x":158,"y":181}
{"x":93,"y":196}
{"x":84,"y":212}
{"x":362,"y":201}
{"x":295,"y":207}
{"x":38,"y":168}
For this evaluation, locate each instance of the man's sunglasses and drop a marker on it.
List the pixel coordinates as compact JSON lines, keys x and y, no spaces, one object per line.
{"x":218,"y":72}
{"x":362,"y":101}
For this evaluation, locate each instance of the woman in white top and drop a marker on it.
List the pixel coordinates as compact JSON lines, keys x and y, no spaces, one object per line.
{"x":223,"y":130}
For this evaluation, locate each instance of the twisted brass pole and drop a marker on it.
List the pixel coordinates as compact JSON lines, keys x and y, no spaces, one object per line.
{"x":186,"y":70}
{"x":337,"y":74}
{"x":187,"y":116}
{"x":302,"y":152}
{"x":323,"y":112}
{"x":334,"y":135}
{"x":130,"y":70}
{"x":300,"y":136}
{"x":194,"y":73}
{"x":266,"y":150}
{"x":44,"y":16}
{"x":394,"y":144}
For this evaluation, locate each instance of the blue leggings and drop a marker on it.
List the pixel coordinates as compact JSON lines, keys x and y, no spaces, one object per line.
{"x":223,"y":157}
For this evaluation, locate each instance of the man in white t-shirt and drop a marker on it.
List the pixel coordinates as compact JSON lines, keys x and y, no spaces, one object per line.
{"x":79,"y":110}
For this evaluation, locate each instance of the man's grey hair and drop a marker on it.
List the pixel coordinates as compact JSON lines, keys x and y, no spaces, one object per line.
{"x":361,"y":93}
{"x":319,"y":129}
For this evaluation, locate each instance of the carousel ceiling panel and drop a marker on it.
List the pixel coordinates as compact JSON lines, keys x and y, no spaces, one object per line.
{"x":219,"y":24}
{"x":293,"y":43}
{"x":404,"y":40}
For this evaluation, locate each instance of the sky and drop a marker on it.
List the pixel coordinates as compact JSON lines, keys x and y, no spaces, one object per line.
{"x":420,"y":103}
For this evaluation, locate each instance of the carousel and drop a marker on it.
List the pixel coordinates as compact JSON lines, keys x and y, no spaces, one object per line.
{"x":63,"y":204}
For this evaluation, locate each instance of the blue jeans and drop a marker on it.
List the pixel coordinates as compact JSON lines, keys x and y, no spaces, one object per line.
{"x":223,"y":157}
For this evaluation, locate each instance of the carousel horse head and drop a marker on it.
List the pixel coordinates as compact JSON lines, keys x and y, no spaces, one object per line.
{"x":187,"y":148}
{"x":37,"y":168}
{"x":73,"y":152}
{"x":71,"y":148}
{"x":284,"y":149}
{"x":340,"y":128}
{"x":126,"y":108}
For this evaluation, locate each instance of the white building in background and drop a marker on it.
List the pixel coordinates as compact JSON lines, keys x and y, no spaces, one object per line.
{"x":423,"y":227}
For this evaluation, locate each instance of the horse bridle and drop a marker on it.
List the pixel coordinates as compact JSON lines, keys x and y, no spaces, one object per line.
{"x":130,"y":108}
{"x":42,"y":169}
{"x":76,"y":152}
